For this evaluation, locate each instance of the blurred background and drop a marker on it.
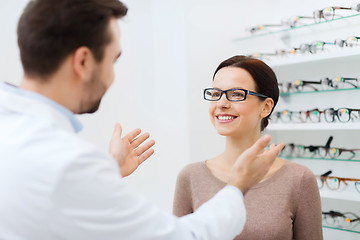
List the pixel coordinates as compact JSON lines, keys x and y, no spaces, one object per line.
{"x":170,"y":49}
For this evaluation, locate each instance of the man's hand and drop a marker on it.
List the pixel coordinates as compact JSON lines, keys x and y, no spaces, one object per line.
{"x":127,"y":150}
{"x":253,"y":164}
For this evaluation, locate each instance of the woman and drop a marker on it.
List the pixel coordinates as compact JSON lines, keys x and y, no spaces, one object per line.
{"x":286,"y":204}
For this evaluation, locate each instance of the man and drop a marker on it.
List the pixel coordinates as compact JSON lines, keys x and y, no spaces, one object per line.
{"x":53,"y":184}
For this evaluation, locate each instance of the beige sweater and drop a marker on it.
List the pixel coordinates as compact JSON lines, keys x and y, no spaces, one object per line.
{"x":286,"y":206}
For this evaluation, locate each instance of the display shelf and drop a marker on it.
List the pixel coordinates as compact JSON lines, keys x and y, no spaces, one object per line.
{"x":316,"y":92}
{"x":312,"y":126}
{"x":341,"y":229}
{"x":352,"y":196}
{"x":284,"y":30}
{"x":330,"y":55}
{"x":320,"y":159}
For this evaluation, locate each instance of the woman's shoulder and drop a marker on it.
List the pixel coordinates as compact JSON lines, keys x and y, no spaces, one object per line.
{"x":297,"y":170}
{"x":192,"y":168}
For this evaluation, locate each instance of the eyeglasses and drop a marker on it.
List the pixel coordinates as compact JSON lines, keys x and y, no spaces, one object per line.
{"x":334,"y":183}
{"x":329,"y":12}
{"x":338,"y":219}
{"x":342,"y":114}
{"x":234,"y":94}
{"x":325,"y":83}
{"x":286,"y":116}
{"x":349,"y":42}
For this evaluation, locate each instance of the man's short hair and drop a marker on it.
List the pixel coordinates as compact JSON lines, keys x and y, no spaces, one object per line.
{"x":49,"y":30}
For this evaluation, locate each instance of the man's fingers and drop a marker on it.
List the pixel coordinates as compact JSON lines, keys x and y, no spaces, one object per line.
{"x":117,"y":130}
{"x":140,"y":150}
{"x":137,"y":141}
{"x":131,"y":135}
{"x":146,"y":155}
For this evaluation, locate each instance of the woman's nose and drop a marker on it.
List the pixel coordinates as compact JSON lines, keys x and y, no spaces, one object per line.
{"x":223,"y":102}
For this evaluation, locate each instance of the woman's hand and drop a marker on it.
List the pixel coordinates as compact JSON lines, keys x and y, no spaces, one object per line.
{"x":130,"y":151}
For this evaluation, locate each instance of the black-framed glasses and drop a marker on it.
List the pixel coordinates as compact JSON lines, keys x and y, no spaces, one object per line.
{"x":338,"y":219}
{"x":342,"y":114}
{"x":234,"y":94}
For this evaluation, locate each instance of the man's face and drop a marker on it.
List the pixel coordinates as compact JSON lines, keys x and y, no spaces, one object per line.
{"x":103,"y":72}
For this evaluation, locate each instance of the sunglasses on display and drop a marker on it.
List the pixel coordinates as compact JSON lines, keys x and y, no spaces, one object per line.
{"x":334,"y":183}
{"x":234,"y":94}
{"x":338,"y":219}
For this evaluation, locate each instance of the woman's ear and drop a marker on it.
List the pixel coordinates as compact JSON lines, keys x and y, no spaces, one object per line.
{"x":268,"y":105}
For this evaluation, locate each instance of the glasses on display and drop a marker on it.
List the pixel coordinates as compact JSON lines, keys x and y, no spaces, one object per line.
{"x":263,"y":27}
{"x":331,"y":115}
{"x":338,"y":219}
{"x":342,"y":114}
{"x":352,"y":41}
{"x":234,"y":94}
{"x":329,"y":12}
{"x":325,"y":151}
{"x":334,"y":183}
{"x":325,"y":83}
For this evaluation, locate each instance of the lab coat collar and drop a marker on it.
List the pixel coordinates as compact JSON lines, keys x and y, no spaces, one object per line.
{"x":39,"y":106}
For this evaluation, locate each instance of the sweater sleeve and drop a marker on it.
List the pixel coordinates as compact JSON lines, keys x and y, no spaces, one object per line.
{"x":182,"y":199}
{"x":308,"y":219}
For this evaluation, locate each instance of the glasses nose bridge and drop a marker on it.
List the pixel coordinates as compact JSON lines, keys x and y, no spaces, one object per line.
{"x":224,"y":94}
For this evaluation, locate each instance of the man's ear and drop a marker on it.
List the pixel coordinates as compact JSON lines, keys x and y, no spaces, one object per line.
{"x":83,"y":63}
{"x":268,"y":106}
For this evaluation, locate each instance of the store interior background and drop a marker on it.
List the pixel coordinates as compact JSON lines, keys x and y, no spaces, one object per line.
{"x":170,"y":51}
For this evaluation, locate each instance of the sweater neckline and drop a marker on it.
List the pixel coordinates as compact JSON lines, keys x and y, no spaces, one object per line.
{"x":259,"y":185}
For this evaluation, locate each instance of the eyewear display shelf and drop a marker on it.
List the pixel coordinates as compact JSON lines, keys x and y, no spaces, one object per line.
{"x":332,"y":62}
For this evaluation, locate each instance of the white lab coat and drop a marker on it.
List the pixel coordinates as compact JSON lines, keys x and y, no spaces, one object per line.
{"x":55,"y":185}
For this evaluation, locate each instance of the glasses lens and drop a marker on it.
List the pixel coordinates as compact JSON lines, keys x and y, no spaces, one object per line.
{"x":288,"y":150}
{"x":326,"y":84}
{"x":320,"y":181}
{"x":212,"y":94}
{"x":236,"y":95}
{"x":317,"y":47}
{"x":328,"y":13}
{"x":286,"y":116}
{"x":329,"y":114}
{"x":317,"y":15}
{"x":343,"y":114}
{"x":323,"y":152}
{"x":333,"y":183}
{"x":300,"y":150}
{"x":304,"y":48}
{"x":357,"y":186}
{"x":314,"y":116}
{"x":355,"y":115}
{"x":340,"y":43}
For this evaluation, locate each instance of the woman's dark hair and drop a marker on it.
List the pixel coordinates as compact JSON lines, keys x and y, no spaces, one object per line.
{"x":49,"y":30}
{"x":264,"y":77}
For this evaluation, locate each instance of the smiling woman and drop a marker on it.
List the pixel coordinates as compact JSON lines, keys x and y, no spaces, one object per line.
{"x":285,"y":205}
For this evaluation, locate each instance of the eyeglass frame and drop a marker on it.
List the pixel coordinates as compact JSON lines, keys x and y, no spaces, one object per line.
{"x":247,"y":92}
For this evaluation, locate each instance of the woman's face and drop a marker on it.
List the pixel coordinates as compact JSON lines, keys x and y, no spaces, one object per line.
{"x":236,"y":118}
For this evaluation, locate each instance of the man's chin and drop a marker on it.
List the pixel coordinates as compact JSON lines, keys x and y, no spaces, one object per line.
{"x":93,"y":108}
